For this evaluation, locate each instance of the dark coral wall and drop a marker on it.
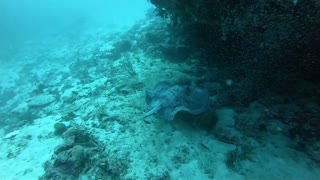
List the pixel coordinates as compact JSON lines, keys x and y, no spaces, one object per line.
{"x":254,"y":39}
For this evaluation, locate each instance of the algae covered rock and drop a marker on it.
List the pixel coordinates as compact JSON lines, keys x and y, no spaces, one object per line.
{"x":81,"y":156}
{"x":66,"y":164}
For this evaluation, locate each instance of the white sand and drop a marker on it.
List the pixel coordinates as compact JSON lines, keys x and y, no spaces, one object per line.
{"x":23,"y":155}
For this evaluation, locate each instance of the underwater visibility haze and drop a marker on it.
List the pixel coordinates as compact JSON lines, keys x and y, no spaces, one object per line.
{"x":160,"y":89}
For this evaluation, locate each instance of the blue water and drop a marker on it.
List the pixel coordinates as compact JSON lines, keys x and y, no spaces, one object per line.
{"x":34,"y":19}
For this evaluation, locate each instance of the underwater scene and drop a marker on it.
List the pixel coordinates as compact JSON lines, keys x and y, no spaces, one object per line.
{"x":160,"y":90}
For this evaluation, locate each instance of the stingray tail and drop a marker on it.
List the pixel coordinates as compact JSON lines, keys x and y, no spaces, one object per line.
{"x":151,"y":112}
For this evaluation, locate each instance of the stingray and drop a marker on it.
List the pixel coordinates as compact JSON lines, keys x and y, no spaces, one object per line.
{"x":167,"y":100}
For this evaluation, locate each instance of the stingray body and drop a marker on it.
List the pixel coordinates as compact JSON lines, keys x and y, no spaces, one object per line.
{"x":167,"y":100}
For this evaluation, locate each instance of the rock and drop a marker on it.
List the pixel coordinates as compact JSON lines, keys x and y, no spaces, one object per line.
{"x":11,"y":134}
{"x":41,"y":100}
{"x":59,"y":128}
